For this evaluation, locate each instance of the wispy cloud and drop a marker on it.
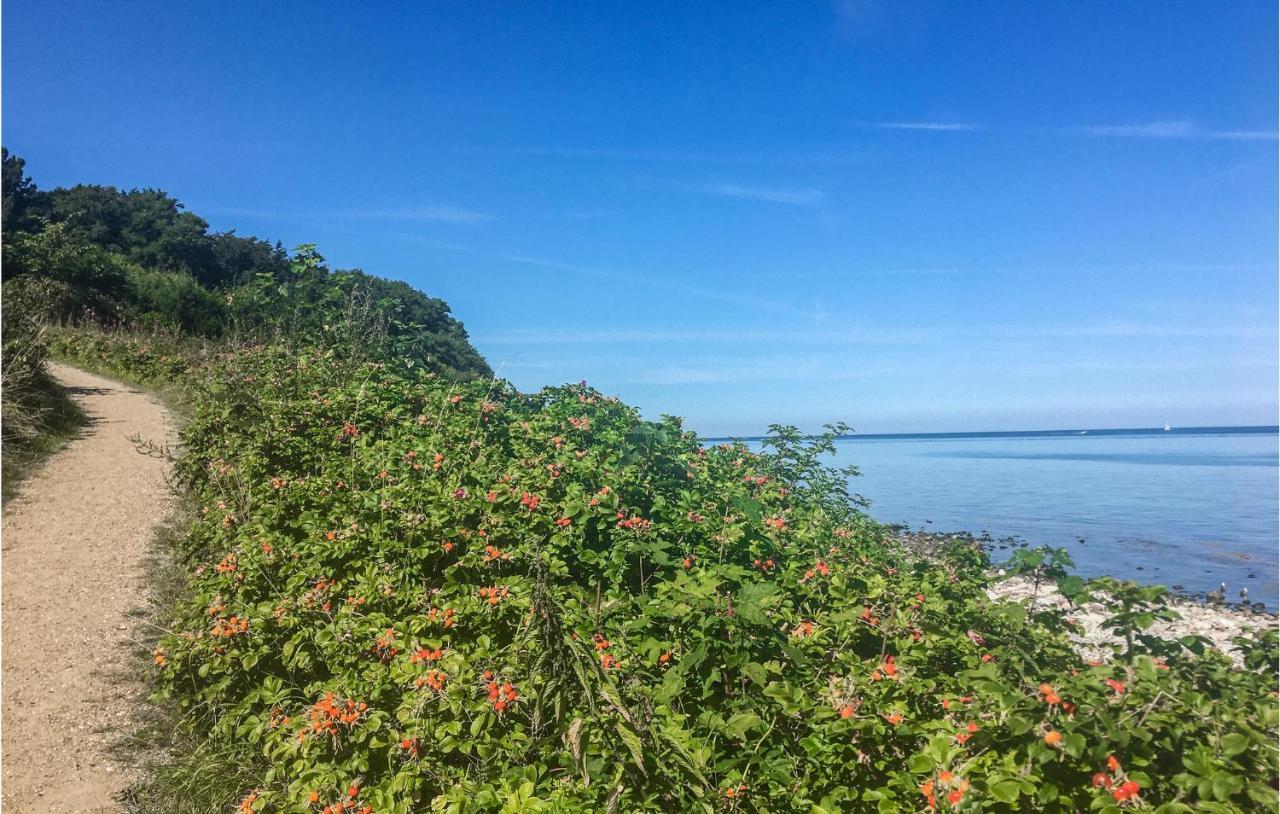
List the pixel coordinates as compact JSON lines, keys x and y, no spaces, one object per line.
{"x":773,"y":368}
{"x":1122,"y":330}
{"x":238,"y":212}
{"x":915,"y":272}
{"x":789,"y":197}
{"x":925,"y":125}
{"x":1172,"y":129}
{"x":441,"y":214}
{"x":663,"y":284}
{"x":729,"y":336}
{"x":678,"y":157}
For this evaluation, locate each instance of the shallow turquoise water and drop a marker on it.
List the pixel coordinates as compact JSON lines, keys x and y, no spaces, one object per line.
{"x":1191,"y":508}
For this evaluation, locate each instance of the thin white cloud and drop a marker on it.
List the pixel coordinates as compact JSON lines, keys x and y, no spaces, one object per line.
{"x":732,"y":336}
{"x":1172,"y":129}
{"x":440,"y":214}
{"x":667,"y":285}
{"x":1121,"y":329}
{"x":678,"y":157}
{"x":762,"y":369}
{"x":926,"y":125}
{"x":789,"y":197}
{"x":810,"y":368}
{"x":237,"y":212}
{"x":876,"y":336}
{"x":929,"y":272}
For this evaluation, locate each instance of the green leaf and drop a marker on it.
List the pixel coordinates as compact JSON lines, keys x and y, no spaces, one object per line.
{"x":1234,"y":743}
{"x":1006,"y":791}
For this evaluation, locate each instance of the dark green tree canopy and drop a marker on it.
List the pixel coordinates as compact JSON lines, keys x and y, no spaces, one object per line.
{"x":110,"y":255}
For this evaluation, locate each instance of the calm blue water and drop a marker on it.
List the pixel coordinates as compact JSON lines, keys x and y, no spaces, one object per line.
{"x":1192,"y":507}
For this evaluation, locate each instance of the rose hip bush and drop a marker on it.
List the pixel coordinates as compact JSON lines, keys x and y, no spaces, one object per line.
{"x":408,"y":594}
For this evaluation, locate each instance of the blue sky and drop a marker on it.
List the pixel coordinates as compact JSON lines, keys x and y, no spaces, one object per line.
{"x":910,"y":216}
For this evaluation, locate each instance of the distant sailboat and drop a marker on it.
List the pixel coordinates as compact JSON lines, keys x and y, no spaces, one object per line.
{"x":1167,"y":428}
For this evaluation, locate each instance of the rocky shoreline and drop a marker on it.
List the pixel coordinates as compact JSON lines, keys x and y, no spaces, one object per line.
{"x":1200,"y":615}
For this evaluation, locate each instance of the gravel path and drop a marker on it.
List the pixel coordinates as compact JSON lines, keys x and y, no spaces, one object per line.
{"x":74,"y":544}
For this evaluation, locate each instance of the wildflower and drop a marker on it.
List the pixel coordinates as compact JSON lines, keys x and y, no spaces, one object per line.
{"x":926,"y":788}
{"x":633,"y":523}
{"x":895,"y":718}
{"x":890,"y":668}
{"x":1127,"y":791}
{"x":492,"y":553}
{"x":433,"y":679}
{"x":425,"y":655}
{"x":1118,"y":686}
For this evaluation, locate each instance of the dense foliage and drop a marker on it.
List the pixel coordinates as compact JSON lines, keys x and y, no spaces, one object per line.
{"x":35,"y":414}
{"x":412,"y":594}
{"x":111,"y":258}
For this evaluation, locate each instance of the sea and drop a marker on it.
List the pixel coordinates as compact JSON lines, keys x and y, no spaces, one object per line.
{"x":1190,"y":508}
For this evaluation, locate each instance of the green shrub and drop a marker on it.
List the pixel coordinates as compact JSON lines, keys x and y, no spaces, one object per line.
{"x":66,"y":280}
{"x":35,"y":413}
{"x":409,"y":594}
{"x":175,"y":300}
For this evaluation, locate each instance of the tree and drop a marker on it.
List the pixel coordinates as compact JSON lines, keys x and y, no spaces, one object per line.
{"x":18,"y":193}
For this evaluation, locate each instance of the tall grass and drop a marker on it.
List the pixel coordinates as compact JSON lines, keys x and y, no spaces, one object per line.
{"x":36,"y":413}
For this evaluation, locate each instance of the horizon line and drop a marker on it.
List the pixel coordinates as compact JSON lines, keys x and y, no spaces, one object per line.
{"x":1257,"y":428}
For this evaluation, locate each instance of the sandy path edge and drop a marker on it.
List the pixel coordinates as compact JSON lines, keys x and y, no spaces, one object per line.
{"x":75,"y":540}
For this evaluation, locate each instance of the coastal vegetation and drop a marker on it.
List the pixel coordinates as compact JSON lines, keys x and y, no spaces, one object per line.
{"x":406,"y":592}
{"x":408,"y":586}
{"x":35,"y":413}
{"x":136,"y":260}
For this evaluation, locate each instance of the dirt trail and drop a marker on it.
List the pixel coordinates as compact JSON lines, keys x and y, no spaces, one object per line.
{"x":74,"y":546}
